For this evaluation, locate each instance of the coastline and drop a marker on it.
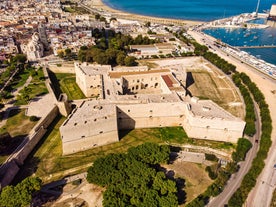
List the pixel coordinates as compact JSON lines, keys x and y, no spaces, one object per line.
{"x":101,"y":6}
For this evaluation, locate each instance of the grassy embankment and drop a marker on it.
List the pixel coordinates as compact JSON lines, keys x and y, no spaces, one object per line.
{"x":68,"y":85}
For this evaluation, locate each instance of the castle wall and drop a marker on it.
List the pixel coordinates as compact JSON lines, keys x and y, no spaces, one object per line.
{"x":213,"y":128}
{"x":148,"y":122}
{"x":164,"y":86}
{"x":150,"y":115}
{"x":91,"y":85}
{"x":89,"y":142}
{"x":136,"y":84}
{"x":11,"y":166}
{"x":39,"y":130}
{"x":64,"y":68}
{"x":88,"y":126}
{"x":84,"y":129}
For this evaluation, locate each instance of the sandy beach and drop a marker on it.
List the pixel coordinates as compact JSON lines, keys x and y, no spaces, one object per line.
{"x":100,"y":6}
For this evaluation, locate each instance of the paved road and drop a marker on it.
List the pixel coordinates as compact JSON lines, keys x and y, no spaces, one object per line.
{"x":262,"y":193}
{"x":9,"y":80}
{"x":236,"y":179}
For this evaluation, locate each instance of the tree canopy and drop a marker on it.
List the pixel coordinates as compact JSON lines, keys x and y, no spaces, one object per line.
{"x":131,"y":179}
{"x":21,"y":194}
{"x":111,"y":48}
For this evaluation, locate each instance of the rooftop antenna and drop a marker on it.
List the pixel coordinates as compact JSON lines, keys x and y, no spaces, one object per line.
{"x":257,"y":9}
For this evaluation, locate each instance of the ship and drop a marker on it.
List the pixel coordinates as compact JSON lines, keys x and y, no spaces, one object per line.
{"x":271,"y":19}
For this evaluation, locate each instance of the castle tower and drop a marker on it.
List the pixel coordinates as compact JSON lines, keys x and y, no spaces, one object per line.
{"x":43,"y":35}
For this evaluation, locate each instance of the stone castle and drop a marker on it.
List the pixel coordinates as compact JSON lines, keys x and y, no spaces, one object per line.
{"x":136,"y":97}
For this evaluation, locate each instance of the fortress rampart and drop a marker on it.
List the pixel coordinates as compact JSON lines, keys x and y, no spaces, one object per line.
{"x":150,"y":98}
{"x":10,"y":168}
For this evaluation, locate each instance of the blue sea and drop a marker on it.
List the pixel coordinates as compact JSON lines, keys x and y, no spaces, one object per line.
{"x":249,"y":37}
{"x":203,"y":10}
{"x":207,"y":10}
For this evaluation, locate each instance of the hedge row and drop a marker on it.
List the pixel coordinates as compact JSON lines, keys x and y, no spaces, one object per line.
{"x":250,"y":116}
{"x":226,"y":67}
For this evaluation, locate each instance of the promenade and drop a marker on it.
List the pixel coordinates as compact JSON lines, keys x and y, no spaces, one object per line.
{"x":257,"y":46}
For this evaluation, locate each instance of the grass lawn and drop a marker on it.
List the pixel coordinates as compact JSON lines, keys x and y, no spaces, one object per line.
{"x":3,"y":158}
{"x":17,"y":123}
{"x":69,"y":86}
{"x":36,"y":89}
{"x":216,"y":87}
{"x":195,"y":176}
{"x":20,"y":79}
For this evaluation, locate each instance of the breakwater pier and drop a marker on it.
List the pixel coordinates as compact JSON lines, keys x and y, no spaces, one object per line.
{"x":256,"y":46}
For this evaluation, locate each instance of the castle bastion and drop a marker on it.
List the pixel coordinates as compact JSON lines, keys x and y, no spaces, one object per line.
{"x":136,"y":97}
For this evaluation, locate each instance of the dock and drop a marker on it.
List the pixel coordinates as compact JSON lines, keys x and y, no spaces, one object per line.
{"x":256,"y":46}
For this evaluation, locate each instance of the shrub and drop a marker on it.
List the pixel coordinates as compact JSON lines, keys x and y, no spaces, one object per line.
{"x":34,"y":118}
{"x":211,"y":157}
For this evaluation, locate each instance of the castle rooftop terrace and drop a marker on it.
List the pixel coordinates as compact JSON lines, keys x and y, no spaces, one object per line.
{"x":150,"y":98}
{"x":94,"y":69}
{"x":91,"y":111}
{"x":209,"y":109}
{"x":120,"y":74}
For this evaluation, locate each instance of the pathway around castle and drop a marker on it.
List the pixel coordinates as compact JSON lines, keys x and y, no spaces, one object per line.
{"x":236,"y":179}
{"x":262,"y":193}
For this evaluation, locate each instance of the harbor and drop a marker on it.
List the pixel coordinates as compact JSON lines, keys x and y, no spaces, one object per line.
{"x":245,"y":37}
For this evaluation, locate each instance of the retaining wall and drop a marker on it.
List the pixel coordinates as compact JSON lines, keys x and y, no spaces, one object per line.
{"x":64,"y":68}
{"x":10,"y":168}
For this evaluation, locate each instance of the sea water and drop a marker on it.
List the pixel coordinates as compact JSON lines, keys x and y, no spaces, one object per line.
{"x":249,"y":37}
{"x":207,"y":10}
{"x":202,"y":10}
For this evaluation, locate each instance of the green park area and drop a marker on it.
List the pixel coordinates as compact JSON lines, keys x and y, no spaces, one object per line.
{"x":67,"y":84}
{"x":35,"y":88}
{"x":18,"y":123}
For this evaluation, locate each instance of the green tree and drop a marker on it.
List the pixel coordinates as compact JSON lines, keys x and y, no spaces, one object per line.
{"x":68,"y":52}
{"x":147,"y":24}
{"x":131,"y":179}
{"x":101,"y":58}
{"x":21,"y":194}
{"x":82,"y":56}
{"x":60,"y":54}
{"x":120,"y":59}
{"x":130,"y":61}
{"x":97,"y":16}
{"x":20,"y":58}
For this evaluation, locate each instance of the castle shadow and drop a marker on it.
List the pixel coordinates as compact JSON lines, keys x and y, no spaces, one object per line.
{"x":9,"y":144}
{"x":189,"y":81}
